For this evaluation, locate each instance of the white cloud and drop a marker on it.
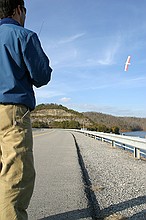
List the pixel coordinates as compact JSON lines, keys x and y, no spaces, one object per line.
{"x":108,"y":52}
{"x":41,"y":93}
{"x":71,"y":38}
{"x":59,"y":43}
{"x":133,"y":82}
{"x":112,"y":110}
{"x":65,"y":99}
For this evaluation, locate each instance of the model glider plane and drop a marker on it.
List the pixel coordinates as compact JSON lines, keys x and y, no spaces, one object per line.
{"x":127,"y":63}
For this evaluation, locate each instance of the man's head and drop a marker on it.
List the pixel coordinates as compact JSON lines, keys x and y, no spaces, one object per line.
{"x":14,"y":9}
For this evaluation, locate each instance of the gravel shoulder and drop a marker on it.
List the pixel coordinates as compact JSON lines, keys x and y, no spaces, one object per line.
{"x":118,"y":181}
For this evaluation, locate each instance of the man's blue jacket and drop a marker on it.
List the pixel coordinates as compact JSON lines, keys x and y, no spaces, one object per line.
{"x":22,"y":64}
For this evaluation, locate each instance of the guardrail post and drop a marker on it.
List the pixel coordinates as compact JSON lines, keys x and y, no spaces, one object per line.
{"x":136,"y":153}
{"x":113,"y":144}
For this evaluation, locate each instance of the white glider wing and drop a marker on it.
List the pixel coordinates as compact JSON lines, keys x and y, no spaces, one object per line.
{"x":127,"y":63}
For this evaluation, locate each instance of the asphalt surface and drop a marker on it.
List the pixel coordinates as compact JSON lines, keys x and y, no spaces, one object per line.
{"x":59,"y":191}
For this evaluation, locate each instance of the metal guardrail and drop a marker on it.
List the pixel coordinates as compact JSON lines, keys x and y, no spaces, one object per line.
{"x":138,"y":144}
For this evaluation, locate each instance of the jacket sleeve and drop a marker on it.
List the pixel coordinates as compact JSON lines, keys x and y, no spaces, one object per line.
{"x":36,"y":61}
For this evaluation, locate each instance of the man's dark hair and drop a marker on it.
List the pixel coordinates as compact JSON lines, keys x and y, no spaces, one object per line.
{"x":7,"y":7}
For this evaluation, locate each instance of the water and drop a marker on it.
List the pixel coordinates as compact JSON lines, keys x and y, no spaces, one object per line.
{"x":141,"y":134}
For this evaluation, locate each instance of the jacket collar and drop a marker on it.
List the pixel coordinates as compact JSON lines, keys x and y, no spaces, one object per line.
{"x":9,"y":21}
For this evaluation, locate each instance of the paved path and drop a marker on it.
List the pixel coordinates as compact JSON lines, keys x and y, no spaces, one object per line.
{"x":59,"y":191}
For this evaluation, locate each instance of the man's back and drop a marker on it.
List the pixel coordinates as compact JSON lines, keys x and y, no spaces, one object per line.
{"x":23,"y":64}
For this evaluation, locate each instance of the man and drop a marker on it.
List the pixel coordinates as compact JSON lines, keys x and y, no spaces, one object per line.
{"x":22,"y":65}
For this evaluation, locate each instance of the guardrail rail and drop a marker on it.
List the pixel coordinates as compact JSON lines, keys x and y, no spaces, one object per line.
{"x":135,"y":144}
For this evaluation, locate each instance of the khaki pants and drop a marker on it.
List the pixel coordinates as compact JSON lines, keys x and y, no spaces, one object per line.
{"x":17,"y":173}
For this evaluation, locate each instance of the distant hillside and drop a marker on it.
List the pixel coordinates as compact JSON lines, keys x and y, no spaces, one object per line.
{"x":124,"y":123}
{"x":59,"y":116}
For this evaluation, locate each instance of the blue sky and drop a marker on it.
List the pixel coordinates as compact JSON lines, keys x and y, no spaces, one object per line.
{"x":88,"y":42}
